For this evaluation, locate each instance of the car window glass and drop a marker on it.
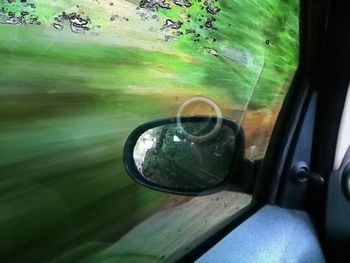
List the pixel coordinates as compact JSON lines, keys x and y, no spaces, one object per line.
{"x":77,"y":76}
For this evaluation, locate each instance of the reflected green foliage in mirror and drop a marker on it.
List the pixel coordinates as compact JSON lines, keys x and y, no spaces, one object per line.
{"x":170,"y":157}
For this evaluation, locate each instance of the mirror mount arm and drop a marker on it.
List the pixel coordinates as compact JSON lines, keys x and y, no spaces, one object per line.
{"x":250,"y":170}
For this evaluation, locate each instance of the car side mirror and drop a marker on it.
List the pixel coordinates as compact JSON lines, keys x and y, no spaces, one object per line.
{"x":187,"y":155}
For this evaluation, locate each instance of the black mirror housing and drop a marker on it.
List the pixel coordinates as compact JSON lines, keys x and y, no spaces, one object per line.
{"x":187,"y":155}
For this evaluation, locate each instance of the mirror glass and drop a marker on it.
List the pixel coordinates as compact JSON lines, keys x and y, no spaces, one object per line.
{"x":192,"y":155}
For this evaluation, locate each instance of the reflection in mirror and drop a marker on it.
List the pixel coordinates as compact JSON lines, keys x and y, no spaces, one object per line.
{"x":193,"y":155}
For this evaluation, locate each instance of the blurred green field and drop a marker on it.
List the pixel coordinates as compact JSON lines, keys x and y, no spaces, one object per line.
{"x":68,"y":101}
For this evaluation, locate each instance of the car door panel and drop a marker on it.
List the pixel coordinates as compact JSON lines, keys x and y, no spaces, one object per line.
{"x":272,"y":234}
